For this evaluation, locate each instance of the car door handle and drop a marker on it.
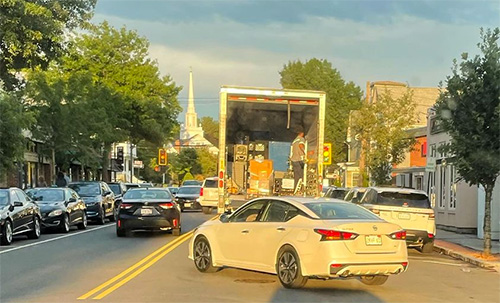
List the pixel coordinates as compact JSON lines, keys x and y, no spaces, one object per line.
{"x":245,"y":231}
{"x":280,"y":229}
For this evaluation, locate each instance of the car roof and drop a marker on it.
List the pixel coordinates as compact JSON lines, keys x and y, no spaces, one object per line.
{"x":212,"y":178}
{"x":398,"y":190}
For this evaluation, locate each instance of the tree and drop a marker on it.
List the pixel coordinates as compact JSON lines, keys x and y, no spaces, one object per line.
{"x":118,"y":59}
{"x":14,"y":119}
{"x":469,"y":111}
{"x":210,"y":126}
{"x":341,"y":96}
{"x":381,"y":127}
{"x":186,"y":162}
{"x":32,"y":33}
{"x":208,"y":162}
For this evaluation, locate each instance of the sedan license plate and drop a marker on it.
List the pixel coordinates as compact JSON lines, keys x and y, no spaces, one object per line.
{"x":404,"y":216}
{"x":187,"y":204}
{"x":146,"y":211}
{"x":373,"y":240}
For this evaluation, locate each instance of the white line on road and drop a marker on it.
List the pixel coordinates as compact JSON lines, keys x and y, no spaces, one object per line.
{"x":54,"y":239}
{"x":443,"y":263}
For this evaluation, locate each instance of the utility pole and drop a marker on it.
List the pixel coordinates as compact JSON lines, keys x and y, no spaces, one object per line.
{"x":131,"y":162}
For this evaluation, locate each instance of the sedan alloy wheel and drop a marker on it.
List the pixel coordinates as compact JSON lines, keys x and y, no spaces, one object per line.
{"x":7,"y":233}
{"x":35,"y":233}
{"x":203,"y":256}
{"x":288,"y":269}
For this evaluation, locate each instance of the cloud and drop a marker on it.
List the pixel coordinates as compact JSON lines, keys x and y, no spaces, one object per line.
{"x":222,"y":50}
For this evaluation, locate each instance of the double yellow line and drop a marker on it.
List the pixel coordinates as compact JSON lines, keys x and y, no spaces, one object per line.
{"x":135,"y":269}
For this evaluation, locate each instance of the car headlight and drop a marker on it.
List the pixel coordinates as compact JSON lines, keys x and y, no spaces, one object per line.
{"x":56,"y":212}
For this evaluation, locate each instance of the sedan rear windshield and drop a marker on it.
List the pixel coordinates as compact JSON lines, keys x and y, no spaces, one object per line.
{"x":188,"y":190}
{"x":333,"y":210}
{"x":403,"y":199}
{"x":147,"y":194}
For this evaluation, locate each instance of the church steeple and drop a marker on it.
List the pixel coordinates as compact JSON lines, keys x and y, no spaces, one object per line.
{"x":191,"y":116}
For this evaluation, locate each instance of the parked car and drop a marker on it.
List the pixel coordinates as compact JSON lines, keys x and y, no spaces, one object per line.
{"x":301,"y":238}
{"x":355,"y":194}
{"x":18,"y":215}
{"x":191,"y":183}
{"x":119,"y":190}
{"x":188,"y":197}
{"x":98,"y":198}
{"x":209,"y":195}
{"x":409,"y":208}
{"x":173,"y":190}
{"x":60,"y":208}
{"x":148,"y":209}
{"x":337,"y":193}
{"x":131,"y":185}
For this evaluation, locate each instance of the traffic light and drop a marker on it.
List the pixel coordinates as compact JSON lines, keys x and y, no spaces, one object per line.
{"x":119,"y":154}
{"x":162,"y":157}
{"x":327,"y":153}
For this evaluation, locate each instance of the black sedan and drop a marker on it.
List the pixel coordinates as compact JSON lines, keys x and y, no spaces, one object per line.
{"x":18,"y":215}
{"x":149,"y":209}
{"x":61,"y":208}
{"x":188,"y":197}
{"x":98,"y":198}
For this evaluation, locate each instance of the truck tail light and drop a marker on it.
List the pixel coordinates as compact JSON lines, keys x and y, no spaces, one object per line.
{"x":201,"y":192}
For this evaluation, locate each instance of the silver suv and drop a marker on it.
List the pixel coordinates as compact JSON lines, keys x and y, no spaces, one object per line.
{"x":409,"y":208}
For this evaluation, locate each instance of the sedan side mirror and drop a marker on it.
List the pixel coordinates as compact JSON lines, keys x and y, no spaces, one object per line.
{"x":18,"y":204}
{"x":224,"y":217}
{"x":107,"y":193}
{"x":72,"y":200}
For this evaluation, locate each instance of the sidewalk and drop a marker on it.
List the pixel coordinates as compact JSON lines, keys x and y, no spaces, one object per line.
{"x":468,"y":248}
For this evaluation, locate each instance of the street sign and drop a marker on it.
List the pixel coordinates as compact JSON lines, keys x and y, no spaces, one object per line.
{"x":431,"y":166}
{"x":138,"y":164}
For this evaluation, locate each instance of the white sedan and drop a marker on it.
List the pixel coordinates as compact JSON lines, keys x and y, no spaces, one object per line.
{"x":301,"y":238}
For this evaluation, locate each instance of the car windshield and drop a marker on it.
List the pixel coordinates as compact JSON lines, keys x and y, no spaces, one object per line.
{"x":403,"y":199}
{"x":48,"y":195}
{"x":210,"y":183}
{"x":147,"y":194}
{"x":86,"y":189}
{"x":337,"y":194}
{"x":115,"y":188}
{"x":332,"y":210}
{"x":189,"y":190}
{"x":4,"y":197}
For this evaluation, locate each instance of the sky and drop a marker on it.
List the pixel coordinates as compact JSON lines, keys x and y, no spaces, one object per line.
{"x":247,"y":42}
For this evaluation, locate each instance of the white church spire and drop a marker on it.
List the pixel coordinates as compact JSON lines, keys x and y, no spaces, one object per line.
{"x":191,"y":127}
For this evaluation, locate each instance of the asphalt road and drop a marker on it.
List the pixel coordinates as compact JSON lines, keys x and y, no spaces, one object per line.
{"x":95,"y":265}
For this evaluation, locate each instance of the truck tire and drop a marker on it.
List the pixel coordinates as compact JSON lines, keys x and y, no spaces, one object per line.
{"x":207,"y":210}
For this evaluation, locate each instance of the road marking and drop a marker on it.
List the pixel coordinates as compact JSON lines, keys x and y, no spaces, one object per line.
{"x":443,"y":263}
{"x":57,"y":238}
{"x":136,"y":265}
{"x":143,"y":268}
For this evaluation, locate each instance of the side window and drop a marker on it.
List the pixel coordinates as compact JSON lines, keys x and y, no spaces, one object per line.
{"x":104,"y":188}
{"x":276,"y":212}
{"x":349,"y":195}
{"x":249,"y":213}
{"x":368,"y":198}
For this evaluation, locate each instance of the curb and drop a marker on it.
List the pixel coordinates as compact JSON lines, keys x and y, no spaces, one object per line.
{"x":469,"y":259}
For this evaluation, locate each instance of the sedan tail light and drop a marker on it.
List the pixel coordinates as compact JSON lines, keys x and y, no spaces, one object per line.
{"x":167,"y":205}
{"x":399,"y":235}
{"x":330,"y":235}
{"x":125,"y":206}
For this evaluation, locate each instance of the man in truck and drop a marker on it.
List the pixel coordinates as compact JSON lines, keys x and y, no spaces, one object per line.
{"x":298,"y":157}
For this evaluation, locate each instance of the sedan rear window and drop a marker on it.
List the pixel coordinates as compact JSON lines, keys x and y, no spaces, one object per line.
{"x":189,"y":190}
{"x":147,"y":194}
{"x":403,"y":199}
{"x":333,"y":210}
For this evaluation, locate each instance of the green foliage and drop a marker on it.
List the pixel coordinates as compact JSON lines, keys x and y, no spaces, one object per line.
{"x":208,"y":162}
{"x":119,"y":60}
{"x":381,"y":127}
{"x":13,"y":119}
{"x":32,"y":32}
{"x":186,"y":162}
{"x":210,"y":126}
{"x":341,"y":96}
{"x":469,"y":111}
